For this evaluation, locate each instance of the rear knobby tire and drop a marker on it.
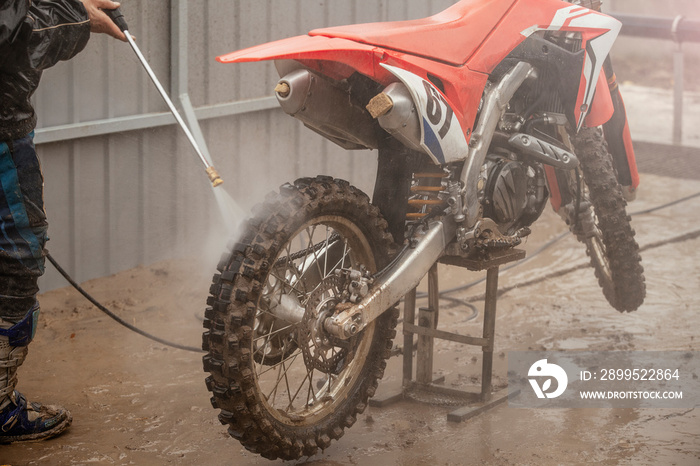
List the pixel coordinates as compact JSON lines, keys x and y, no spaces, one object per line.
{"x":255,"y":358}
{"x":614,"y":252}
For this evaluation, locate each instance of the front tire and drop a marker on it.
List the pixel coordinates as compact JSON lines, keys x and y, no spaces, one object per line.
{"x":284,"y":389}
{"x":613,"y":250}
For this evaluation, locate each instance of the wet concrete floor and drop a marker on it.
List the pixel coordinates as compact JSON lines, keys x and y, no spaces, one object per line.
{"x":138,"y":402}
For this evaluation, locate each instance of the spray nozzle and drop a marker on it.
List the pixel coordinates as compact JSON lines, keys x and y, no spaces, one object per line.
{"x":214,"y":176}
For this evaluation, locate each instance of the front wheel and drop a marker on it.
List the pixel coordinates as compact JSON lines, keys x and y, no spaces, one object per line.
{"x":284,"y":386}
{"x":610,"y":242}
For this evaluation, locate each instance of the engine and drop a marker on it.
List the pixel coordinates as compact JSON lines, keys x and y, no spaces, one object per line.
{"x":514,"y":193}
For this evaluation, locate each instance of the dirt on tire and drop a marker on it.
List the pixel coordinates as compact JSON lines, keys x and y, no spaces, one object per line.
{"x":232,"y":321}
{"x":625,"y":289}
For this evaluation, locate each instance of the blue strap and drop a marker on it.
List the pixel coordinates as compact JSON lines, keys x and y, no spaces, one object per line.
{"x":15,"y":422}
{"x":22,"y":333}
{"x":10,"y":418}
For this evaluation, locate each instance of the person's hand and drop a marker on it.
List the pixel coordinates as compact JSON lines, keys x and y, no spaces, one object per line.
{"x":99,"y":21}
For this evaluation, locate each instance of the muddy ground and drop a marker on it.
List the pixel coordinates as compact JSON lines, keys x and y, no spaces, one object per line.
{"x":138,"y":402}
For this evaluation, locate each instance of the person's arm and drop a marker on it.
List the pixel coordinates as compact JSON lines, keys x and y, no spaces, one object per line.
{"x":37,"y":34}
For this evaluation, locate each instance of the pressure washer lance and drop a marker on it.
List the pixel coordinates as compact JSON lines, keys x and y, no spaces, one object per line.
{"x":118,"y":18}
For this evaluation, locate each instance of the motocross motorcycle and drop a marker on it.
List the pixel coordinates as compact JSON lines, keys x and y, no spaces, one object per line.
{"x":481,"y":114}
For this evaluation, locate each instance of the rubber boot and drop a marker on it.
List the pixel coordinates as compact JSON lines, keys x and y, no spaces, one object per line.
{"x":20,"y":420}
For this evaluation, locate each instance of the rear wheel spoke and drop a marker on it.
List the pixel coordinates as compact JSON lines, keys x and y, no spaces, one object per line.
{"x":275,"y":364}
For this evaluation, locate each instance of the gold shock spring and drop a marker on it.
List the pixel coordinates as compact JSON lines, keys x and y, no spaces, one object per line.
{"x":425,"y":188}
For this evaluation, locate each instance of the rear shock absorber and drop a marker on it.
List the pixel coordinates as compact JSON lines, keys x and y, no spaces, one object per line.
{"x":425,"y":190}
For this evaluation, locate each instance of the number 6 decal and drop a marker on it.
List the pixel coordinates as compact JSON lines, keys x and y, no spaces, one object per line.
{"x":441,"y":134}
{"x":435,"y":108}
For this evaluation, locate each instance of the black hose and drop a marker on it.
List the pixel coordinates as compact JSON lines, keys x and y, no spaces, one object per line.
{"x":458,"y":301}
{"x":654,"y":209}
{"x":442,"y":294}
{"x":113,"y":315}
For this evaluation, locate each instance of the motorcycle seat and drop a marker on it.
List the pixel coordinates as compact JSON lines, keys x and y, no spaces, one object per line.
{"x":451,"y":36}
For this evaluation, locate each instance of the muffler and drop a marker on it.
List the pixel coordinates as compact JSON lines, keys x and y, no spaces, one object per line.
{"x":396,"y":113}
{"x":327,"y":109}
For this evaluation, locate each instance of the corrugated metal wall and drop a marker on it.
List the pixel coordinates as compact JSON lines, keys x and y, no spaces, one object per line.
{"x":119,"y":200}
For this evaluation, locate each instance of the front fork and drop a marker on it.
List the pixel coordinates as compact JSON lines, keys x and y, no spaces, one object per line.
{"x":619,"y":141}
{"x":569,"y":195}
{"x":574,"y":208}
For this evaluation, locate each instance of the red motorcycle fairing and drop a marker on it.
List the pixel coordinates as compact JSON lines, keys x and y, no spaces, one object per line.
{"x":554,"y":190}
{"x":308,"y":50}
{"x":458,"y":48}
{"x":464,"y":34}
{"x":602,"y":107}
{"x":339,"y":58}
{"x":598,"y":32}
{"x":451,"y":36}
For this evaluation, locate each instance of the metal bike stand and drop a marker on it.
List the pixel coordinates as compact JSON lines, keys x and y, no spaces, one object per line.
{"x":424,"y":388}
